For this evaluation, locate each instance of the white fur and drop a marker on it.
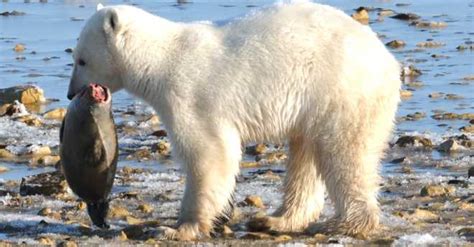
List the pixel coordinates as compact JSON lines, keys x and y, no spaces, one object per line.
{"x":301,"y":72}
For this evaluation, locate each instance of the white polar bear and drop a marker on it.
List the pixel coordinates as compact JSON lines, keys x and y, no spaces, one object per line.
{"x":301,"y":72}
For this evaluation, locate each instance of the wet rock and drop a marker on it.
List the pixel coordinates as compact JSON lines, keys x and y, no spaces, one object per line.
{"x":3,"y":169}
{"x":256,"y":236}
{"x":465,"y":47}
{"x":145,"y":208}
{"x":30,"y":120}
{"x":451,"y":116}
{"x":470,"y":172}
{"x":416,"y":84}
{"x":69,"y":50}
{"x":405,"y":141}
{"x":422,"y":214}
{"x":397,"y":160}
{"x":56,"y":114}
{"x":132,"y":220}
{"x":406,"y":16}
{"x":135,"y":232}
{"x":467,"y":232}
{"x":396,"y":43}
{"x":46,"y":184}
{"x":415,"y":116}
{"x":162,"y":147}
{"x":152,"y":120}
{"x":160,"y":133}
{"x":429,"y":24}
{"x":12,"y":13}
{"x":405,"y":94}
{"x":16,"y":108}
{"x":319,"y":237}
{"x":39,"y":151}
{"x":435,"y":95}
{"x":411,"y":71}
{"x":248,"y":164}
{"x":436,"y":190}
{"x":122,"y":236}
{"x":19,"y":48}
{"x":283,"y":238}
{"x":5,"y":154}
{"x":256,"y":149}
{"x":48,"y":160}
{"x":45,"y":211}
{"x":386,"y":12}
{"x":141,"y":154}
{"x":27,"y":94}
{"x":254,"y":201}
{"x":448,"y":146}
{"x":46,"y":241}
{"x":467,"y":128}
{"x":67,"y":243}
{"x":452,"y":96}
{"x":430,"y":44}
{"x":118,"y":212}
{"x":361,"y":15}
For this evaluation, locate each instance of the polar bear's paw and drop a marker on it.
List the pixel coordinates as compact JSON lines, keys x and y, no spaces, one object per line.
{"x":185,"y":232}
{"x":336,"y":226}
{"x":273,"y":224}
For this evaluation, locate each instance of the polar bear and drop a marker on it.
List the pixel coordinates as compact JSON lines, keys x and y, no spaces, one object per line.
{"x":299,"y":72}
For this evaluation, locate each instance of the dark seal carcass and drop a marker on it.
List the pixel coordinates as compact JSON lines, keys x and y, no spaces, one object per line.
{"x":89,"y":149}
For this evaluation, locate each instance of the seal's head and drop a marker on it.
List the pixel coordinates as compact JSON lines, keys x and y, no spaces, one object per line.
{"x":97,"y":212}
{"x":96,"y":93}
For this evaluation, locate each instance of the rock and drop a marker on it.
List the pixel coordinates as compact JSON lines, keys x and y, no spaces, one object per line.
{"x":227,"y":232}
{"x":142,"y":154}
{"x":69,"y":50}
{"x":435,"y":95}
{"x":45,"y":211}
{"x":430,"y":44}
{"x":422,"y":214}
{"x":27,"y":94}
{"x":19,"y":48}
{"x":45,"y":241}
{"x":30,"y":120}
{"x":449,"y":145}
{"x":152,"y":120}
{"x":320,"y":237}
{"x":162,"y":147}
{"x":40,"y":151}
{"x":118,"y":212}
{"x":160,"y":133}
{"x":405,"y":94}
{"x":415,"y":116}
{"x":254,"y":201}
{"x":470,"y":172}
{"x":386,"y":12}
{"x":467,"y":128}
{"x":405,"y":141}
{"x":12,"y":13}
{"x":48,"y":160}
{"x":15,"y":109}
{"x":5,"y":154}
{"x":145,"y":208}
{"x":256,"y":236}
{"x":467,"y":232}
{"x":56,"y":114}
{"x":134,"y":232}
{"x":398,"y":160}
{"x":283,"y":238}
{"x":452,"y":96}
{"x":46,"y":184}
{"x":396,"y":43}
{"x":67,"y":243}
{"x":382,"y":242}
{"x":436,"y":190}
{"x":451,"y":115}
{"x":132,"y":220}
{"x":3,"y":169}
{"x":122,"y":236}
{"x":411,"y":72}
{"x":248,"y":164}
{"x":406,"y":16}
{"x":81,"y":205}
{"x":256,"y":149}
{"x":465,"y":47}
{"x":361,"y":15}
{"x":429,"y":24}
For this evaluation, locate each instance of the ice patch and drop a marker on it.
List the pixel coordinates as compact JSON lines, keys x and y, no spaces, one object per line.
{"x":415,"y":239}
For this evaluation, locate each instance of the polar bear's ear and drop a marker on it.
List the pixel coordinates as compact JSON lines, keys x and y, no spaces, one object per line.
{"x":111,"y":22}
{"x":99,"y":6}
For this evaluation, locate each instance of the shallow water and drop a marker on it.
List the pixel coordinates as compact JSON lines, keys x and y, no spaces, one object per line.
{"x":48,"y":29}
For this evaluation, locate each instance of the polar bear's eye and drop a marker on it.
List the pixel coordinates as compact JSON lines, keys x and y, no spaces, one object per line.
{"x":81,"y":62}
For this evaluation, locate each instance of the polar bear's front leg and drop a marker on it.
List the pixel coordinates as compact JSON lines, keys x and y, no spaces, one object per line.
{"x":211,"y":164}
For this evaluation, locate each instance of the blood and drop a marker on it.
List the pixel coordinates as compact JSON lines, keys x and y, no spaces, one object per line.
{"x":98,"y":92}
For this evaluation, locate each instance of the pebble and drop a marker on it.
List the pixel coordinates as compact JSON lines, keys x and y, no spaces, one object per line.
{"x":227,"y":232}
{"x":361,"y":15}
{"x":411,"y":71}
{"x":405,"y":94}
{"x":449,"y":145}
{"x":254,"y":201}
{"x":451,"y":96}
{"x":45,"y":211}
{"x":415,"y":116}
{"x":386,"y":12}
{"x":248,"y":164}
{"x":283,"y":238}
{"x":256,"y":149}
{"x":5,"y":154}
{"x":256,"y":236}
{"x":470,"y":172}
{"x":405,"y":141}
{"x":451,"y":115}
{"x":429,"y":24}
{"x":406,"y":16}
{"x":435,"y":95}
{"x":45,"y":241}
{"x":3,"y":169}
{"x":19,"y":48}
{"x":69,"y":50}
{"x":160,"y":133}
{"x":118,"y":212}
{"x":145,"y":208}
{"x":56,"y":114}
{"x":465,"y":47}
{"x":436,"y":190}
{"x":319,"y":237}
{"x":122,"y":236}
{"x":162,"y":147}
{"x":132,"y":220}
{"x":30,"y":120}
{"x":48,"y":160}
{"x":422,"y":214}
{"x":430,"y":44}
{"x":396,"y":43}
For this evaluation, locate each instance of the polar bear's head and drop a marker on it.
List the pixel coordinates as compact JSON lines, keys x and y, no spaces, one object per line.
{"x":95,"y":53}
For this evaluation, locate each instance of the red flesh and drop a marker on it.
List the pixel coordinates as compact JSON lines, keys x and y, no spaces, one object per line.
{"x":98,"y":93}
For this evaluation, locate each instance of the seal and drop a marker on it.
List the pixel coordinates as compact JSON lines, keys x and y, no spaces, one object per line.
{"x":89,"y":149}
